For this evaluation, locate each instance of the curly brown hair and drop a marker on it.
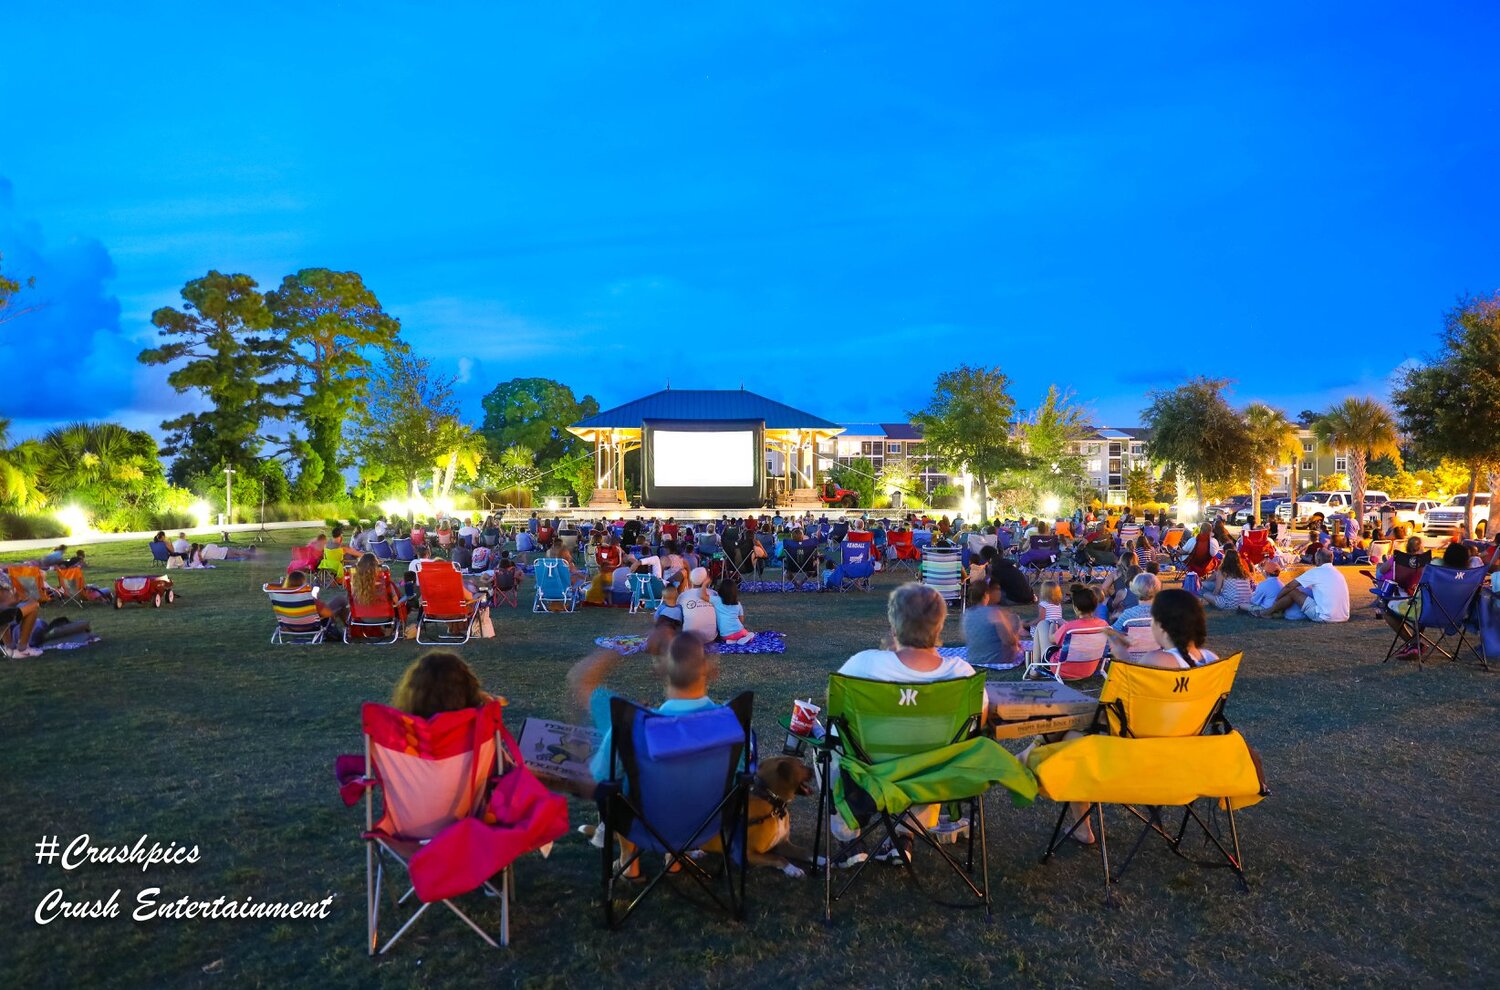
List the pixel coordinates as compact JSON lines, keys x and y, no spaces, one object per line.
{"x":437,"y":682}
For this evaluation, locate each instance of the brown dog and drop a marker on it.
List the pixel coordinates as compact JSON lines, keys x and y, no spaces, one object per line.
{"x":779,"y":780}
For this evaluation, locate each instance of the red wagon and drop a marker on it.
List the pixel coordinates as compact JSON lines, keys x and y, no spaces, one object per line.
{"x":142,"y":588}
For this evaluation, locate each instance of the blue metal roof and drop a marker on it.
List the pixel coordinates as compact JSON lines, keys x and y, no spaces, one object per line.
{"x":706,"y":405}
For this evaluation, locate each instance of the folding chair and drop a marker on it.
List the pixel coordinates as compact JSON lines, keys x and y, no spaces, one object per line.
{"x":446,"y":604}
{"x":1064,"y":529}
{"x":434,"y":775}
{"x":1446,"y":600}
{"x":645,"y":592}
{"x":554,"y":586}
{"x":297,"y":618}
{"x":908,"y":556}
{"x":677,"y":783}
{"x":71,"y":587}
{"x":1142,"y":642}
{"x":1255,"y":547}
{"x":943,"y":570}
{"x":1125,"y":535}
{"x":382,"y":551}
{"x":798,"y":566}
{"x":405,"y":548}
{"x":1079,"y":656}
{"x":330,"y":570}
{"x":160,"y":553}
{"x":30,"y":583}
{"x":739,"y":562}
{"x":506,"y":582}
{"x":856,"y":569}
{"x":1406,"y":574}
{"x":1163,"y":742}
{"x":907,"y":733}
{"x":373,"y":623}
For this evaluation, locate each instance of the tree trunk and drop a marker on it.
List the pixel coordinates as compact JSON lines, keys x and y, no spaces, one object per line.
{"x":448,"y":473}
{"x":1489,"y":526}
{"x":983,"y":496}
{"x":1295,"y":482}
{"x":1357,"y":486}
{"x":1469,"y":503}
{"x":1198,"y":495}
{"x":1254,"y":502}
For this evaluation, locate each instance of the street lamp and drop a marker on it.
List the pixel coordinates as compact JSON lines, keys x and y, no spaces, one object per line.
{"x":229,"y":473}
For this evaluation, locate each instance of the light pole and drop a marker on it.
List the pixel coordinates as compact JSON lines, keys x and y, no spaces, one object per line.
{"x":228,"y":493}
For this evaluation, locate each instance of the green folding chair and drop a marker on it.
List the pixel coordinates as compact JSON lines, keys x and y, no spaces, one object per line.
{"x":891,"y":746}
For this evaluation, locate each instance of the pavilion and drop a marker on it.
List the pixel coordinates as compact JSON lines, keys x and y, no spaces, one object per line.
{"x":791,"y":433}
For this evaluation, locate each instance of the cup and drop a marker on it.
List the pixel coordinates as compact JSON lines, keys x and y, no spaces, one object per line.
{"x":804,"y":717}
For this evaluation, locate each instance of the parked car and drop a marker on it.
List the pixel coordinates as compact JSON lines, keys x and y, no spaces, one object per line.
{"x":1411,"y":512}
{"x":1228,"y":507}
{"x":1269,"y":506}
{"x":1446,"y":518}
{"x":1314,"y":507}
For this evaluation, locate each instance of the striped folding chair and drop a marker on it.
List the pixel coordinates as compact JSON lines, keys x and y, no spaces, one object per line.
{"x":943,"y":569}
{"x":297,"y":618}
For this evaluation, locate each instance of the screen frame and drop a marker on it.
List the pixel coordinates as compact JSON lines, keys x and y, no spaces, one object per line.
{"x":656,"y":496}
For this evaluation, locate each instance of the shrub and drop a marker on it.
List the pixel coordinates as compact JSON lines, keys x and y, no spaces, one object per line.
{"x":30,"y":526}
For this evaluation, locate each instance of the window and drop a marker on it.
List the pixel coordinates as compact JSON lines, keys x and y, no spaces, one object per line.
{"x":1340,"y":465}
{"x":1114,"y":465}
{"x":1307,"y":446}
{"x":1096,"y":465}
{"x":1137,"y":449}
{"x":893,"y":448}
{"x":1307,"y":466}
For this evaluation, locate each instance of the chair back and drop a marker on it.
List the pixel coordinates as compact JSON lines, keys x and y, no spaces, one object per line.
{"x":404,"y":548}
{"x":943,"y":570}
{"x":160,"y":552}
{"x":1255,"y":546}
{"x":1127,"y":533}
{"x":442,"y":590}
{"x":431,"y":771}
{"x":380,"y":611}
{"x":921,"y":538}
{"x":70,"y":581}
{"x":1172,"y":539}
{"x":644,"y":594}
{"x":1141,"y":641}
{"x":505,"y":578}
{"x":1152,"y":702}
{"x":382,"y":549}
{"x":1062,"y":528}
{"x":296,"y":608}
{"x":553,"y":579}
{"x":30,"y":583}
{"x":1081,"y":654}
{"x":1448,"y":596}
{"x":883,"y":720}
{"x":854,"y":559}
{"x":978,"y":541}
{"x":1408,"y":569}
{"x":1048,"y":543}
{"x":677,"y":770}
{"x":333,"y":560}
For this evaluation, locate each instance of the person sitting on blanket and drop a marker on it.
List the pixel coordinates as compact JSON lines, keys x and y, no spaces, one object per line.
{"x":687,"y":671}
{"x":1268,"y":590}
{"x":1319,"y":594}
{"x":1228,"y":587}
{"x":669,"y":610}
{"x":730,"y":613}
{"x":1401,"y":613}
{"x":992,"y":633}
{"x":698,"y":615}
{"x":916,"y":613}
{"x":437,"y":682}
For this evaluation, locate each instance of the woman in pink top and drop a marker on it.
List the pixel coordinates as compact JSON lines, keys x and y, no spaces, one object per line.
{"x":1085,"y":602}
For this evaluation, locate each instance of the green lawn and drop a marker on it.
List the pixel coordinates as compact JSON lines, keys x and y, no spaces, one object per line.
{"x":1373,"y":862}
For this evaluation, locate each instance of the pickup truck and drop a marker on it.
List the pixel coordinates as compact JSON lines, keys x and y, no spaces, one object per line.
{"x":1442,"y":521}
{"x":1314,"y":507}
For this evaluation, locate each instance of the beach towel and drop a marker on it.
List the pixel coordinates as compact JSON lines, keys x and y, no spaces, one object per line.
{"x":764,"y":587}
{"x":761,"y":642}
{"x":962,"y":653}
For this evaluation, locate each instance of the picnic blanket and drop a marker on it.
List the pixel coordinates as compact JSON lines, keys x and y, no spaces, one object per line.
{"x":761,"y":642}
{"x":962,"y":653}
{"x":773,"y":586}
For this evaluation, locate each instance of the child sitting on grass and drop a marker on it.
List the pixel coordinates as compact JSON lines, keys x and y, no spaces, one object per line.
{"x":1048,"y":605}
{"x":730,"y":613}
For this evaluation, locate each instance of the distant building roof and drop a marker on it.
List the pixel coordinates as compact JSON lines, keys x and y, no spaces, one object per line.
{"x":706,"y":405}
{"x":890,"y":431}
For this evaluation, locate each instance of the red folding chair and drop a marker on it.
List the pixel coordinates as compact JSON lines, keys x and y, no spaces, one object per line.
{"x":380,"y":622}
{"x":448,"y":610}
{"x":1255,"y":546}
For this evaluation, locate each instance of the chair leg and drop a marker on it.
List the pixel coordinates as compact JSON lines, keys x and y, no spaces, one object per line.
{"x":825,"y":827}
{"x":1239,"y":859}
{"x":372,"y":896}
{"x":984,"y":857}
{"x":505,"y":889}
{"x":1109,"y":890}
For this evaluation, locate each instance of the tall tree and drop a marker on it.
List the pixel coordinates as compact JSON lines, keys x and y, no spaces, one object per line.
{"x":460,"y":449}
{"x":1451,"y":406}
{"x":403,"y":425}
{"x":1362,"y":428}
{"x":336,"y":330}
{"x":19,"y":486}
{"x":1050,"y":438}
{"x":1273,"y":439}
{"x":535,"y":413}
{"x":104,"y":466}
{"x":967,"y":422}
{"x":10,"y":289}
{"x":1196,"y":433}
{"x":230,"y":360}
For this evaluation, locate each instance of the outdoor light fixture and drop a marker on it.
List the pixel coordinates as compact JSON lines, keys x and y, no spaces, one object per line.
{"x":75,"y":519}
{"x":393,"y":507}
{"x":201,"y":512}
{"x":1050,"y":505}
{"x":553,"y":504}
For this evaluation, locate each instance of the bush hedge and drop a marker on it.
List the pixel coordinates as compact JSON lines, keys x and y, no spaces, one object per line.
{"x":30,"y":526}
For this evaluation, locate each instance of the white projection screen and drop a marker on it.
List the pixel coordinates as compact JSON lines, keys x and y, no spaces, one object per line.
{"x":709,"y":464}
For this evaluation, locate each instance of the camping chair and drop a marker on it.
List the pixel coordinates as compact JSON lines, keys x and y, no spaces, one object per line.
{"x":1138,"y":633}
{"x":297,"y":618}
{"x":1164,"y":742}
{"x":446,"y":604}
{"x":924,"y":741}
{"x":1125,"y":535}
{"x":645,"y":593}
{"x":1447,"y":597}
{"x":1406,"y":574}
{"x":907,"y":554}
{"x":554,"y":586}
{"x":1079,"y":656}
{"x":382,"y":551}
{"x":330,"y":569}
{"x":445,"y":541}
{"x":30,"y":583}
{"x":1255,"y":547}
{"x":943,"y":570}
{"x":404,"y":548}
{"x":739,"y":562}
{"x":506,"y":582}
{"x":676,"y":783}
{"x":71,"y":587}
{"x":372,"y":623}
{"x":798,"y":566}
{"x":444,"y":783}
{"x":160,"y":553}
{"x":856,"y":569}
{"x":976,"y":543}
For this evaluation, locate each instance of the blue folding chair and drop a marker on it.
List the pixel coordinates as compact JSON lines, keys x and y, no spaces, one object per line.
{"x":554,"y":586}
{"x":856,"y":567}
{"x":676,"y":783}
{"x":160,"y":553}
{"x":1447,"y":597}
{"x":403,"y":549}
{"x":645,"y":592}
{"x":382,"y":550}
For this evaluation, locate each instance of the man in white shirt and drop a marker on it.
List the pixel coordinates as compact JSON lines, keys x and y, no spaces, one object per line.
{"x":1319,"y":594}
{"x":380,"y":529}
{"x":469,"y":529}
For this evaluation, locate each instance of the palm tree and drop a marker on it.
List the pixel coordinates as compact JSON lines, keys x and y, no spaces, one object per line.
{"x":105,"y":464}
{"x":18,"y":483}
{"x":1364,"y":428}
{"x":1273,"y":438}
{"x":462,"y":448}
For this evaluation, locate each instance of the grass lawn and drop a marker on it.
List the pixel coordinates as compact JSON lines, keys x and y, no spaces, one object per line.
{"x":1373,"y":862}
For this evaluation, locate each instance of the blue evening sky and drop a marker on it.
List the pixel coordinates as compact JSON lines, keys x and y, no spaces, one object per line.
{"x":829,"y":203}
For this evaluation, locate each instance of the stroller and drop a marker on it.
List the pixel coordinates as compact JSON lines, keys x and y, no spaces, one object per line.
{"x":143,"y":588}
